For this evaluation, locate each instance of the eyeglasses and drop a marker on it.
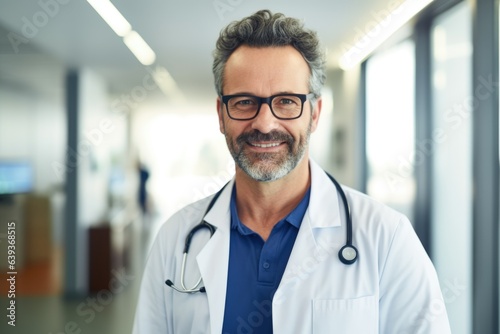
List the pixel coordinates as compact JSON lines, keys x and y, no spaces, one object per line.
{"x":244,"y":107}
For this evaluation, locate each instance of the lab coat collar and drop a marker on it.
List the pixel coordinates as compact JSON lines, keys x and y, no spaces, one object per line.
{"x":220,"y":214}
{"x":323,"y":190}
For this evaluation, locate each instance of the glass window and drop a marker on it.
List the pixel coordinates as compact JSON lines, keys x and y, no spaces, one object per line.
{"x":452,"y":106}
{"x":390,"y":86}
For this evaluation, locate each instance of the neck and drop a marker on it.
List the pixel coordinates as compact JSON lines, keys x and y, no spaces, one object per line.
{"x":263,"y":204}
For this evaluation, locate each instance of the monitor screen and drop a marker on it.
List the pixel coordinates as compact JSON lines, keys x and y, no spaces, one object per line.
{"x":15,"y":177}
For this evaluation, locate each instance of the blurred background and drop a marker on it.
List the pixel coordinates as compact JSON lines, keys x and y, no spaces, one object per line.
{"x":108,"y":126}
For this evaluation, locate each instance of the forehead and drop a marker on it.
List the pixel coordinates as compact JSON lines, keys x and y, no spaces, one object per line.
{"x":266,"y":69}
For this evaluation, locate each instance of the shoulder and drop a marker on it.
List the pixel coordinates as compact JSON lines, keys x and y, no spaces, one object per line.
{"x":369,"y":210}
{"x":173,"y":232}
{"x":377,"y":226}
{"x":185,"y":218}
{"x":365,"y":211}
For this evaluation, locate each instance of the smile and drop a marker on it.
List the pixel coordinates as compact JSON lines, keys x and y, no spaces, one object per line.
{"x":265,"y":145}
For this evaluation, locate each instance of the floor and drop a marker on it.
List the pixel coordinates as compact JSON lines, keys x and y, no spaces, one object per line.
{"x":40,"y":307}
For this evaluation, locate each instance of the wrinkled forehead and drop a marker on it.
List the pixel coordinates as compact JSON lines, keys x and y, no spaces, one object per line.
{"x":276,"y":68}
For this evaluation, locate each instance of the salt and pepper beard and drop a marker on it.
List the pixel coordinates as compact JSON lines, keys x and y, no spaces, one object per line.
{"x":268,"y":166}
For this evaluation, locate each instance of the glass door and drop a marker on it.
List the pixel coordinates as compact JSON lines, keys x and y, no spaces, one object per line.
{"x":452,"y":108}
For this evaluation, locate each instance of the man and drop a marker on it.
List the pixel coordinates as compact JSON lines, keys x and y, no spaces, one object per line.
{"x":272,"y":264}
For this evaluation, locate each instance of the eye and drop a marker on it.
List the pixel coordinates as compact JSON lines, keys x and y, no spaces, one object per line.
{"x":288,"y":101}
{"x":244,"y":102}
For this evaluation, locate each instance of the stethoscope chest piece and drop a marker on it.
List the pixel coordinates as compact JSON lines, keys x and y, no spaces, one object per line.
{"x":348,"y":254}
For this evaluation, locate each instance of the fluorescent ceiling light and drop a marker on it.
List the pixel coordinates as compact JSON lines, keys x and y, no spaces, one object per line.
{"x":163,"y":79}
{"x":112,"y":16}
{"x":166,"y":83}
{"x":141,"y":50}
{"x":380,"y":32}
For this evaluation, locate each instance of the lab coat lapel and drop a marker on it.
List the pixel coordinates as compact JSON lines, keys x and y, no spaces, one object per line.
{"x":213,"y":259}
{"x":313,"y":242}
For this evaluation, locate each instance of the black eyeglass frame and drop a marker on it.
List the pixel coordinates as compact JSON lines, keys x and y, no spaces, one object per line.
{"x":303,"y":98}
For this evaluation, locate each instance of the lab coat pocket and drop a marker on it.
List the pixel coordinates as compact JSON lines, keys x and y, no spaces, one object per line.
{"x":346,"y":316}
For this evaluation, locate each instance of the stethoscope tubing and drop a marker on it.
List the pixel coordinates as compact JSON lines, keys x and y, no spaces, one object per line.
{"x":347,"y":209}
{"x":348,"y":254}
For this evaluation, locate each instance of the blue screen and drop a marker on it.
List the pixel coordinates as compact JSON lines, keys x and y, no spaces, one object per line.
{"x":15,"y":177}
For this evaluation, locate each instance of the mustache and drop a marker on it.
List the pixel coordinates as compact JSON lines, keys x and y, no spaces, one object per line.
{"x":256,"y":135}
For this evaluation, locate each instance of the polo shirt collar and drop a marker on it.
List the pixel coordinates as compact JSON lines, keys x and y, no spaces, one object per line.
{"x":294,"y":218}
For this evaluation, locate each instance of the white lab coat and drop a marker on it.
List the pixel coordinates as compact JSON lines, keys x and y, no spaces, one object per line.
{"x":392,"y":287}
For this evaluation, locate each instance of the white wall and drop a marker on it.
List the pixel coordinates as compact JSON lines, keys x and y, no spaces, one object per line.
{"x":95,"y":128}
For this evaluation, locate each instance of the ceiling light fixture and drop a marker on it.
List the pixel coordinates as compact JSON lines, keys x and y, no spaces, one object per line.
{"x":166,"y":83}
{"x":112,"y":16}
{"x":141,"y":50}
{"x":380,"y":32}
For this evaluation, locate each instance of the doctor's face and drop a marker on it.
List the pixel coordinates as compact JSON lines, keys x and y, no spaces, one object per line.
{"x":265,"y":147}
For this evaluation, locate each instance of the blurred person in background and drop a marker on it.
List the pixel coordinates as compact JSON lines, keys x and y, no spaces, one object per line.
{"x":142,"y":191}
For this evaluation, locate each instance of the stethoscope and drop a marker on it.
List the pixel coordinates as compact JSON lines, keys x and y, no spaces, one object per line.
{"x":348,"y":254}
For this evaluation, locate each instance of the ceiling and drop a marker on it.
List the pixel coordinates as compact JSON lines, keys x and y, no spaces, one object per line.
{"x":182,"y":33}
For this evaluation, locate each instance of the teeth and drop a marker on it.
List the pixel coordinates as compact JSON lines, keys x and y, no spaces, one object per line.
{"x":266,"y":145}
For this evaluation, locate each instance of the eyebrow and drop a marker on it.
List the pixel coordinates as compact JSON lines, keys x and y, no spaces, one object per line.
{"x":252,"y":94}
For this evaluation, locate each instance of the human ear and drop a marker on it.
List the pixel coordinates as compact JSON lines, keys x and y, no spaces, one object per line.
{"x":220,"y":115}
{"x":315,"y":113}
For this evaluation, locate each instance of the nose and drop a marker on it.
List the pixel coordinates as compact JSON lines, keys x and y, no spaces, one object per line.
{"x":265,"y":121}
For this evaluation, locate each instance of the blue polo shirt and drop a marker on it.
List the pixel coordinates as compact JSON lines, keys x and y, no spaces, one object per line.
{"x":255,"y":270}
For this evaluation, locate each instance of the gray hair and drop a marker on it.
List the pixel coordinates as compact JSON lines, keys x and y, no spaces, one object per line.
{"x":266,"y":29}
